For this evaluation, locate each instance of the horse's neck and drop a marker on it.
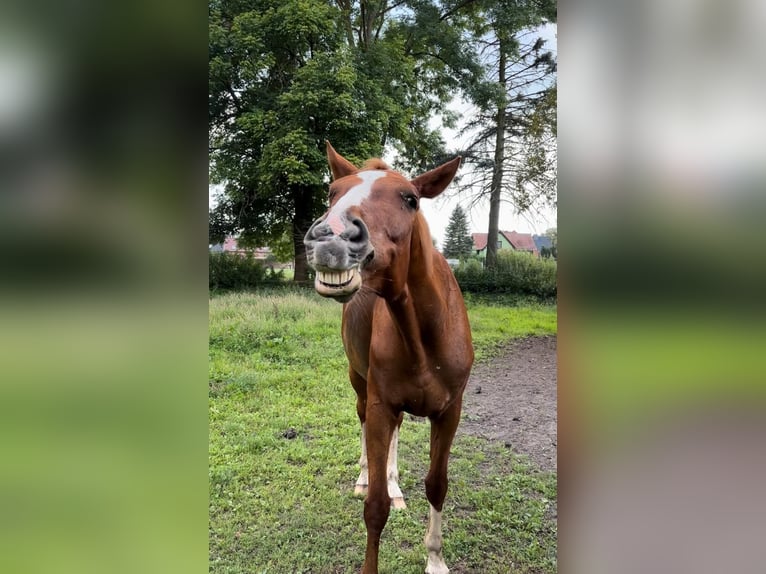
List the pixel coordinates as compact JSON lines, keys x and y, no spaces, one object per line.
{"x":419,"y":308}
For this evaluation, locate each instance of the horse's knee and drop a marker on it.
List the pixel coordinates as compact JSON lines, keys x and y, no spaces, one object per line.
{"x":376,"y":510}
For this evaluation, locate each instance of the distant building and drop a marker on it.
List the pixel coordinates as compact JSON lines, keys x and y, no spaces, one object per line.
{"x":542,"y":241}
{"x":505,"y":240}
{"x":262,"y":253}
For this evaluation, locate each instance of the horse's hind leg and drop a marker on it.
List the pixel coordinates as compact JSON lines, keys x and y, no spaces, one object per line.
{"x":397,"y":498}
{"x":360,"y":387}
{"x":442,"y":432}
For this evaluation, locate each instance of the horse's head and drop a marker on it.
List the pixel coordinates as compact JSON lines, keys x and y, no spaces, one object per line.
{"x":366,"y":235}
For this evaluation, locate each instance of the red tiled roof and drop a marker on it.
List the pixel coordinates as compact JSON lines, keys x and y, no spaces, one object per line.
{"x":519,"y":241}
{"x":479,"y":241}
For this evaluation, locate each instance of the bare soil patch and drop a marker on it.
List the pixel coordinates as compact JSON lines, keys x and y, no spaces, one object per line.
{"x":512,"y":398}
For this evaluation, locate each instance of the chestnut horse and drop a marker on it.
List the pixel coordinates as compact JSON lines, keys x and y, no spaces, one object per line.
{"x":405,"y":328}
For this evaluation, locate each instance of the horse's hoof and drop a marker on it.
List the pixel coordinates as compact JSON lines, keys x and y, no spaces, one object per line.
{"x":360,"y":490}
{"x":398,"y":503}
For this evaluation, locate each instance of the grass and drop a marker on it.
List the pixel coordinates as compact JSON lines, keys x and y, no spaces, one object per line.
{"x":284,"y":446}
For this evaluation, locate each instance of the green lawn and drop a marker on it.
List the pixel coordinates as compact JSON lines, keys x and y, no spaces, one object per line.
{"x":284,"y":505}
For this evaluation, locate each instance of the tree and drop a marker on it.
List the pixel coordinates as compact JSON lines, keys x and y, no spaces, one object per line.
{"x":285,"y":75}
{"x":552,"y":234}
{"x":279,"y":85}
{"x":511,"y":149}
{"x":457,"y":242}
{"x":553,"y":250}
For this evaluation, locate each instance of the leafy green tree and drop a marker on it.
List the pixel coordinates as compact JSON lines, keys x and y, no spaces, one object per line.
{"x":285,"y":75}
{"x":279,"y":85}
{"x":457,"y":242}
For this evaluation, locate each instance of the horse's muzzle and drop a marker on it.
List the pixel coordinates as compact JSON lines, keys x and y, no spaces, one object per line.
{"x":338,"y":257}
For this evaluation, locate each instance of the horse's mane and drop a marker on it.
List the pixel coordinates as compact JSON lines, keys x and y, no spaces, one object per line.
{"x":374,"y":163}
{"x":421,"y":236}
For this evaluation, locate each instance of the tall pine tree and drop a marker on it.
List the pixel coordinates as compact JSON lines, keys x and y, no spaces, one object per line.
{"x":458,"y":243}
{"x":513,"y":128}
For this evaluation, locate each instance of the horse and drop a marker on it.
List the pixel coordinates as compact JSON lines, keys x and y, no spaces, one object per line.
{"x":405,"y":329}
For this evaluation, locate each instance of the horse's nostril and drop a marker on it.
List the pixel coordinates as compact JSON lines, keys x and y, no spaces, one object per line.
{"x":357,"y":231}
{"x":318,"y":230}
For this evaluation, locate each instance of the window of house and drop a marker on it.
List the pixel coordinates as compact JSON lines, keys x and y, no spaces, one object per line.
{"x":499,"y":244}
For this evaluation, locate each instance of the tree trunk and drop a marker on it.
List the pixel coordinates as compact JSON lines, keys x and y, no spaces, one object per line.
{"x":345,"y":6}
{"x":301,"y":223}
{"x":497,"y":171}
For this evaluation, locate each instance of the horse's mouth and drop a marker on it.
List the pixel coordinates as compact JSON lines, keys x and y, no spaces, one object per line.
{"x":340,"y":285}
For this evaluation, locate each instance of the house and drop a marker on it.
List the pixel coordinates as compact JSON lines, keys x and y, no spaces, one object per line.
{"x":261,"y":253}
{"x":505,"y":240}
{"x":230,"y":245}
{"x":542,"y":241}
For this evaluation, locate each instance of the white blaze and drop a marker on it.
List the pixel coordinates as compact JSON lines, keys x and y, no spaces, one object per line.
{"x":357,"y":194}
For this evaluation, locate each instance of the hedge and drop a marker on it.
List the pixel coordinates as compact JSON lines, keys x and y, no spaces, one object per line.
{"x":517,"y":272}
{"x":230,"y":271}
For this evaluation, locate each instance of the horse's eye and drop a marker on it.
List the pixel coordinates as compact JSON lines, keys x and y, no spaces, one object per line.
{"x":411,"y":201}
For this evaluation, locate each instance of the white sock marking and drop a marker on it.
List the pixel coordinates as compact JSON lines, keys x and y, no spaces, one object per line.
{"x":362,"y":481}
{"x":393,"y":469}
{"x":433,"y":541}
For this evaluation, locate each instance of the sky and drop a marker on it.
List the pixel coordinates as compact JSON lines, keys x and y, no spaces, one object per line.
{"x":438,"y":210}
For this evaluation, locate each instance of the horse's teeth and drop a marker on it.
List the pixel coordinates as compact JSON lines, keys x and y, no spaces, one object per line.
{"x":339,"y":278}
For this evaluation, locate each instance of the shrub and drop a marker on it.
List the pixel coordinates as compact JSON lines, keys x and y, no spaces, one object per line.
{"x":517,"y":272}
{"x":229,"y":271}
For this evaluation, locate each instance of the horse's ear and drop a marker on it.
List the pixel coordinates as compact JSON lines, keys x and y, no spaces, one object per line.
{"x":339,"y":165}
{"x":433,"y":182}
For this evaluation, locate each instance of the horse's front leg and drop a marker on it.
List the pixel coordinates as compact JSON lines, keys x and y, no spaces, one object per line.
{"x":392,"y":469}
{"x":380,"y":424}
{"x":360,"y":387}
{"x":360,"y":488}
{"x":442,"y":432}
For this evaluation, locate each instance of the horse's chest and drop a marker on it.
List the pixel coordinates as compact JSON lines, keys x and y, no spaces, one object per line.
{"x":412,"y":388}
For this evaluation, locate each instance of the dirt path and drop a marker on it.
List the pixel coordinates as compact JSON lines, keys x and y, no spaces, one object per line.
{"x":512,"y":398}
